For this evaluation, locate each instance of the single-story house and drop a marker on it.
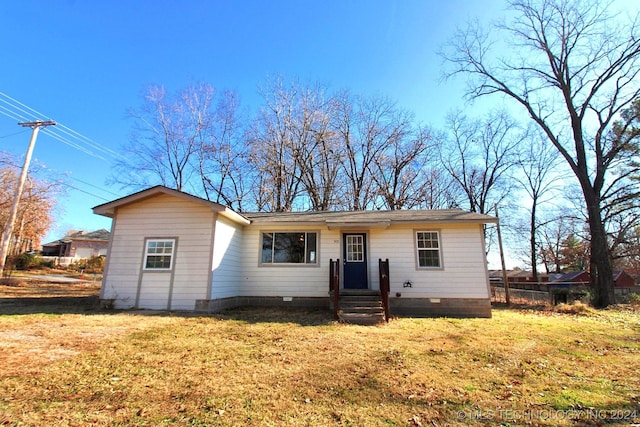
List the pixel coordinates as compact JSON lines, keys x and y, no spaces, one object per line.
{"x":79,"y":244}
{"x":171,"y":250}
{"x":621,"y":279}
{"x":517,"y":276}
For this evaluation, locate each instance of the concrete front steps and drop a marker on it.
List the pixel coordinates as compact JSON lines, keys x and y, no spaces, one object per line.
{"x":361,"y":307}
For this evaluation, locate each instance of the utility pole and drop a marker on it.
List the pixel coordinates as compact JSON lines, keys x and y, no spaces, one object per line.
{"x":505,"y":278}
{"x":8,"y":229}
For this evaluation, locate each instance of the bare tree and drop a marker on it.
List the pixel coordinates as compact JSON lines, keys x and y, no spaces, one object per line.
{"x":539,"y":176}
{"x":168,"y":132}
{"x":553,"y":234}
{"x":222,"y":157}
{"x":367,"y":128}
{"x":438,"y":189}
{"x":479,"y":155}
{"x":573,"y":68}
{"x":273,"y":152}
{"x":317,"y":150}
{"x":399,"y":172}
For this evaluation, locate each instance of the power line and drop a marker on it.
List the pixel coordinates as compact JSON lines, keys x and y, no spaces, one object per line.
{"x":12,"y":115}
{"x":63,"y":133}
{"x":13,"y":134}
{"x":73,"y":145}
{"x":96,"y":187}
{"x":66,"y":184}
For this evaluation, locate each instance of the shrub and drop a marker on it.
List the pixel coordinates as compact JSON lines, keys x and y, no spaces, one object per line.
{"x":634,"y":299}
{"x":92,"y":265}
{"x":9,"y":281}
{"x":25,"y":261}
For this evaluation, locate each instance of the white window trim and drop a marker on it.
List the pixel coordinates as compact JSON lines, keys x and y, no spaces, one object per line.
{"x":417,"y":250}
{"x":173,"y":241}
{"x":289,"y":264}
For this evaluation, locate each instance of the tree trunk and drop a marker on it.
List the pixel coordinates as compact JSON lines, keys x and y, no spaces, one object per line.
{"x":532,"y":241}
{"x":601,"y":274}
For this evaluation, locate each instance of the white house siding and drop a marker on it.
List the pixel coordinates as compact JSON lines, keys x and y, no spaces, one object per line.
{"x":463,"y":274}
{"x":227,"y":259}
{"x":161,"y":216}
{"x":287,"y":281}
{"x":464,"y":270}
{"x":154,"y":290}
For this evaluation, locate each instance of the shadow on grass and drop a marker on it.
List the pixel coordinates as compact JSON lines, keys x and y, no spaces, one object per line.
{"x":90,"y":305}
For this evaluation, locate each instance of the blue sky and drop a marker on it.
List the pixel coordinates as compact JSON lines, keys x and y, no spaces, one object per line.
{"x":85,"y":63}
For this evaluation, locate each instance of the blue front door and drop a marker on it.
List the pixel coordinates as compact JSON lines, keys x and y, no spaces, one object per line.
{"x":355,"y":260}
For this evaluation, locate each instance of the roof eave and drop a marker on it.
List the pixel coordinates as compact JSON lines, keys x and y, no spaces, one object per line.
{"x":109,"y":209}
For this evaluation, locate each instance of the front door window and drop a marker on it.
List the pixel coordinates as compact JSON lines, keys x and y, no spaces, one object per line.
{"x":355,"y":248}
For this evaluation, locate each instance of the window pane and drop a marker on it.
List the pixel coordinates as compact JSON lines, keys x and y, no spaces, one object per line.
{"x":428,"y":258}
{"x":355,"y":249}
{"x":155,"y":261}
{"x":427,"y":240}
{"x":160,"y":247}
{"x":267,"y":247}
{"x":311,"y":248}
{"x":288,"y":248}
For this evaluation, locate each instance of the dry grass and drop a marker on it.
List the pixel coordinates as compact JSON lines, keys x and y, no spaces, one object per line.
{"x":274,"y":368}
{"x":16,"y":287}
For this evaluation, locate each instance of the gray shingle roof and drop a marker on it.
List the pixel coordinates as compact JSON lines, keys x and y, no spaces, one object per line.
{"x":101,"y":234}
{"x":411,"y":216}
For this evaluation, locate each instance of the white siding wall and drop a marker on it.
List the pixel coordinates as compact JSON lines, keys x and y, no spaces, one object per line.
{"x":295,"y":280}
{"x":154,"y":291}
{"x":227,"y":259}
{"x":463,"y":274}
{"x":464,"y":270}
{"x":160,"y":216}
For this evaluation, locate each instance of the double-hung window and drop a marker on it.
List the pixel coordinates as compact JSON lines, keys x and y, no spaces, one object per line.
{"x":289,"y":248}
{"x":159,"y":254}
{"x":428,"y":249}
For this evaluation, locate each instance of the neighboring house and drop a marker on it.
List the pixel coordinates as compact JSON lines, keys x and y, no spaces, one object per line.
{"x":172,"y":250}
{"x":517,"y":276}
{"x":79,"y":244}
{"x":573,"y":277}
{"x":620,"y":279}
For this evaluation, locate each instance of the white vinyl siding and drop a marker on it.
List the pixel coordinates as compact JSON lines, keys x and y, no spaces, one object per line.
{"x":155,"y":217}
{"x":227,"y":259}
{"x":464,"y":269}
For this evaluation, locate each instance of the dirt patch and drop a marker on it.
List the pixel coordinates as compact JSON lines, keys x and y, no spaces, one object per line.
{"x":27,"y":347}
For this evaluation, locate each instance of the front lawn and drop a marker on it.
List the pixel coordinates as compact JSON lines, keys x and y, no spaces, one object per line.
{"x":273,"y":368}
